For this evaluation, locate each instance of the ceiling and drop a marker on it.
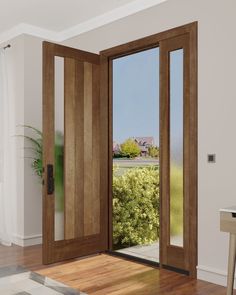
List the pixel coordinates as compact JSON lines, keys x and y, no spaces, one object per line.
{"x":62,"y":19}
{"x":53,"y":15}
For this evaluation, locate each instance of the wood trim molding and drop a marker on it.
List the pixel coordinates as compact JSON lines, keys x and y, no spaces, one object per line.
{"x":25,"y":241}
{"x":213,"y":275}
{"x":86,"y":26}
{"x":148,"y":42}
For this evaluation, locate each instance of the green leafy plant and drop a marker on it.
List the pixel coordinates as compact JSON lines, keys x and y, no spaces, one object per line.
{"x":136,"y":207}
{"x":130,"y":149}
{"x":36,"y":146}
{"x":153,"y":151}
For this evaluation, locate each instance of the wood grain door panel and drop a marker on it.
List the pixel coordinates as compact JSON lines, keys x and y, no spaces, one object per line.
{"x":85,"y":207}
{"x":172,"y":255}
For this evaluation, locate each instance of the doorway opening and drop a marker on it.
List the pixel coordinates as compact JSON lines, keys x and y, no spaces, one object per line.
{"x":152,"y":119}
{"x":136,"y":153}
{"x":135,"y":183}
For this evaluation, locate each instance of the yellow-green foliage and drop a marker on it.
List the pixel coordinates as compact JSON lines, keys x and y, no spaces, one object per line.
{"x":176,"y":200}
{"x":153,"y":151}
{"x":130,"y":149}
{"x":136,"y":207}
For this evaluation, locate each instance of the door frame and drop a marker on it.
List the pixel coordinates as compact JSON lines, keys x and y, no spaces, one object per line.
{"x":106,"y":79}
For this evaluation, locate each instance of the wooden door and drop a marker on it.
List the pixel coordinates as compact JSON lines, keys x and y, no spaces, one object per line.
{"x":74,"y":199}
{"x":178,"y":200}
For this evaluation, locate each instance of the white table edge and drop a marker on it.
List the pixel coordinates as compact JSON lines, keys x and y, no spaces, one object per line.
{"x":229,"y":209}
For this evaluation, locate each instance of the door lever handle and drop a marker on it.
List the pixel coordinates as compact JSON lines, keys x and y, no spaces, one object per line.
{"x":50,"y":179}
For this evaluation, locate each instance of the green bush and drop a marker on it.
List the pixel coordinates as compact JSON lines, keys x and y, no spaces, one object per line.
{"x":130,"y":149}
{"x":136,"y":207}
{"x":176,"y":200}
{"x":153,"y":151}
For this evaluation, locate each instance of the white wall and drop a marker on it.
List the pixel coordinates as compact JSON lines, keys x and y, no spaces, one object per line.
{"x":15,"y":62}
{"x":32,"y":117}
{"x":216,"y":107}
{"x":25,"y":86}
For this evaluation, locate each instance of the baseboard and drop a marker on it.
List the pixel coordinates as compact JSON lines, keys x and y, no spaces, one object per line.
{"x":212,"y":275}
{"x":25,"y":241}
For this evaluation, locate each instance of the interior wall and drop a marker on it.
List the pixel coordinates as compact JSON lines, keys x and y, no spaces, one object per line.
{"x":216,"y":111}
{"x":32,"y":117}
{"x":15,"y":71}
{"x":24,"y":62}
{"x":216,"y":107}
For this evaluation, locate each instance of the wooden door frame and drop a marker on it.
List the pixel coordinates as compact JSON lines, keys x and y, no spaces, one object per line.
{"x":106,"y":79}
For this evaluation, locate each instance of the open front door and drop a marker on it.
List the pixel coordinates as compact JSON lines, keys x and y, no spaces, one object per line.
{"x":74,"y":199}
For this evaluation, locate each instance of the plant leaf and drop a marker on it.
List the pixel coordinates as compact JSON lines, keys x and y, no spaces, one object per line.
{"x":35,"y":141}
{"x":33,"y":128}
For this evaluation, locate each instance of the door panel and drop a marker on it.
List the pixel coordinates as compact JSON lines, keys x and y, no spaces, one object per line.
{"x":59,"y":228}
{"x":176,"y":148}
{"x":177,"y":119}
{"x":73,"y":216}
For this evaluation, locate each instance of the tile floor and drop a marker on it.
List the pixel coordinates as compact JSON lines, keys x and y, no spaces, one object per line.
{"x":19,"y":281}
{"x":149,"y":252}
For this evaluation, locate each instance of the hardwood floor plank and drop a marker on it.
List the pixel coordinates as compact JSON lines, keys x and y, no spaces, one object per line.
{"x":104,"y":274}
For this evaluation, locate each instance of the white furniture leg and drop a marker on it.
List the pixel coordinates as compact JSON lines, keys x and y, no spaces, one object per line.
{"x":231,"y":264}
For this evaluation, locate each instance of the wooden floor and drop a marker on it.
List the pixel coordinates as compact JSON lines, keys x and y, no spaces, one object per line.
{"x":105,"y":274}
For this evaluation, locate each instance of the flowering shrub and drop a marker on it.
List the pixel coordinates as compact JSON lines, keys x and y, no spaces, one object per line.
{"x":136,"y":207}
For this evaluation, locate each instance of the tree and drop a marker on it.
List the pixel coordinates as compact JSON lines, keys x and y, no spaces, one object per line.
{"x":153,"y":151}
{"x":130,"y":149}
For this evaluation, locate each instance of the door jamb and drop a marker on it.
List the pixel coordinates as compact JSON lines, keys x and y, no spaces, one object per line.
{"x":106,"y":87}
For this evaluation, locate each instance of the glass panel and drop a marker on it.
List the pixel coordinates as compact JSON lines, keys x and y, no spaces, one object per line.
{"x":59,"y":149}
{"x":176,"y":148}
{"x":136,"y":154}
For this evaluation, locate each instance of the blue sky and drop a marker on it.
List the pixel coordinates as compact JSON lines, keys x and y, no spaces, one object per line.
{"x":176,"y":106}
{"x":136,"y":96}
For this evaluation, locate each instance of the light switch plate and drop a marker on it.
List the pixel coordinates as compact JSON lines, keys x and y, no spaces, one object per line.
{"x":211,"y":158}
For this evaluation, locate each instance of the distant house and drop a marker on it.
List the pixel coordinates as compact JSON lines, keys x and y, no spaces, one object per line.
{"x":116,"y":148}
{"x":144,"y":143}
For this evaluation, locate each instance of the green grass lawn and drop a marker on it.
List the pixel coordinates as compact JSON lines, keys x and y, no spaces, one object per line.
{"x":122,"y":165}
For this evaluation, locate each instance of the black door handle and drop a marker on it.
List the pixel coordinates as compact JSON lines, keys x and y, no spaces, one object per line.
{"x":50,"y":179}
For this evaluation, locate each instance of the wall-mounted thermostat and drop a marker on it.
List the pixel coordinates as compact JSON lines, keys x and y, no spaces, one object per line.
{"x":211,"y":158}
